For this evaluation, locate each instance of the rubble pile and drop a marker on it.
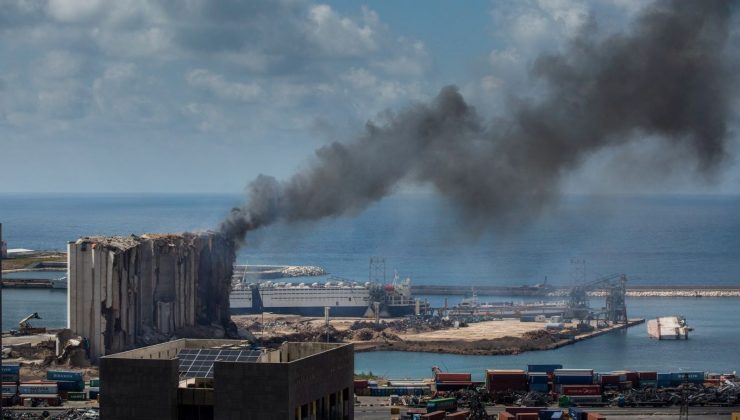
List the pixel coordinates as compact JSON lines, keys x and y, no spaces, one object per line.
{"x":727,"y":393}
{"x":302,"y":271}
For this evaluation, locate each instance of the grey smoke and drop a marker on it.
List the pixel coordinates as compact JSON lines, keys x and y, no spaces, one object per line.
{"x":668,"y":77}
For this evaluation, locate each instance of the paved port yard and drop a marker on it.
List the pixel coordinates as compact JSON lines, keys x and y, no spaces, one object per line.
{"x":372,"y":408}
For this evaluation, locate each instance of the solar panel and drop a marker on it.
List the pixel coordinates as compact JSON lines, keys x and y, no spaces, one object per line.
{"x":198,"y":363}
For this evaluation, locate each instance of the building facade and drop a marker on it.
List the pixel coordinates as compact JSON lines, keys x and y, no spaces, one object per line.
{"x":298,"y":381}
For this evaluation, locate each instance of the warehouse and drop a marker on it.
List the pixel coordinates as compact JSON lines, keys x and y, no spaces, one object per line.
{"x":227,"y":379}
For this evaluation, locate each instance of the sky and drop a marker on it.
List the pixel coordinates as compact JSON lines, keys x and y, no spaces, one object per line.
{"x":202,"y":96}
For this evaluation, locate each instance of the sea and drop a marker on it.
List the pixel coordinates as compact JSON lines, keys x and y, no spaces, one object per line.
{"x":654,"y":240}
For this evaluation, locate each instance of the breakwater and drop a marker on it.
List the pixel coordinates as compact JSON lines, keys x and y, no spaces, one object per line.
{"x":636,"y":291}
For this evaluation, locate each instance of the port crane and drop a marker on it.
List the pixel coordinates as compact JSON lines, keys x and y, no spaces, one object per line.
{"x":615,"y":311}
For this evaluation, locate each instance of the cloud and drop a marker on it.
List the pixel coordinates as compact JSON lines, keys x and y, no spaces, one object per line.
{"x":217,"y":86}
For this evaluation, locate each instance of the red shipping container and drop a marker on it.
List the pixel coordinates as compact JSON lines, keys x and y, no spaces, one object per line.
{"x":360,"y":383}
{"x":527,"y":416}
{"x":609,"y":379}
{"x":506,"y":416}
{"x":580,"y":390}
{"x":436,"y":415}
{"x":595,"y":416}
{"x":453,"y":377}
{"x":458,"y":415}
{"x":648,"y":376}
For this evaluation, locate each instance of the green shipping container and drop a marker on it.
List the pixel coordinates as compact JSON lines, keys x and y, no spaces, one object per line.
{"x":95,"y":382}
{"x":76,"y":396}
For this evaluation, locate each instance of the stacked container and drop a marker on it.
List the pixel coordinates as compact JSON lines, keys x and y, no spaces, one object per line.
{"x":446,"y":381}
{"x":506,"y":380}
{"x":648,"y":379}
{"x":573,"y":377}
{"x":538,"y":382}
{"x":66,"y":380}
{"x":543,"y":368}
{"x":11,"y":373}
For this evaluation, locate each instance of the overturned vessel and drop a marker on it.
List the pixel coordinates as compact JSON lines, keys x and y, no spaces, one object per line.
{"x":668,"y":328}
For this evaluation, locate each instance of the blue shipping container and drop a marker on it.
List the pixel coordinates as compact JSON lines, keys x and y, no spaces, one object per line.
{"x":548,"y":414}
{"x":539,"y":387}
{"x":693,"y":377}
{"x":538,"y":378}
{"x":574,"y":380}
{"x":75,"y":386}
{"x":543,"y":368}
{"x":60,"y":375}
{"x":576,"y":413}
{"x":11,"y":369}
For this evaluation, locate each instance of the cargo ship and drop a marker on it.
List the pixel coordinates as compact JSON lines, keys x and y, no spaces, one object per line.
{"x":344,"y":298}
{"x":472,"y":306}
{"x":668,"y":328}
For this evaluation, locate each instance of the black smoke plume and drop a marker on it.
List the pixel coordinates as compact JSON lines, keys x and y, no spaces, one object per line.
{"x":667,"y":77}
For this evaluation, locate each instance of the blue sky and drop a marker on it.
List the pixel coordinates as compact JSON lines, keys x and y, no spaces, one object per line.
{"x":202,"y":96}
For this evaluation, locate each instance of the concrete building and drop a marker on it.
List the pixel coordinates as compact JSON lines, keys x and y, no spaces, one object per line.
{"x":295,"y":382}
{"x":126,"y":292}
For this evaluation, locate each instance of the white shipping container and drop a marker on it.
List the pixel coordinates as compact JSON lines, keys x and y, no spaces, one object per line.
{"x":38,"y":389}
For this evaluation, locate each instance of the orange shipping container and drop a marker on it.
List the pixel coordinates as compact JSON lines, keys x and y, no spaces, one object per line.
{"x":595,"y":416}
{"x":504,"y":415}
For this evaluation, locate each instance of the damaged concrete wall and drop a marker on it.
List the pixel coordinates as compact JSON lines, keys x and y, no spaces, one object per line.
{"x":130,"y":291}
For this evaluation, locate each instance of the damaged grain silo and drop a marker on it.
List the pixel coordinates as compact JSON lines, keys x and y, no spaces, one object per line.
{"x":125,"y":292}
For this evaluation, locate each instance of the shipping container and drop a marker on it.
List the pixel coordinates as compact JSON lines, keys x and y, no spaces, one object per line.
{"x":506,"y":416}
{"x":527,"y":416}
{"x":96,"y":382}
{"x":664,"y":380}
{"x":651,"y":376}
{"x":543,"y":368}
{"x":435,"y":415}
{"x":444,"y":404}
{"x":506,"y":380}
{"x":611,"y":379}
{"x":454,"y":377}
{"x":527,"y":318}
{"x":35,"y":399}
{"x":573,"y":380}
{"x":11,"y":369}
{"x":76,"y":396}
{"x":74,"y":386}
{"x":9,"y":388}
{"x":595,"y":416}
{"x":585,"y":399}
{"x":692,"y":377}
{"x":574,"y":372}
{"x":10,"y":377}
{"x":38,"y":388}
{"x":63,"y":375}
{"x":548,"y":414}
{"x":359,"y":383}
{"x":93,"y":393}
{"x":453,"y":386}
{"x":580,"y":390}
{"x":576,"y":413}
{"x":538,"y":378}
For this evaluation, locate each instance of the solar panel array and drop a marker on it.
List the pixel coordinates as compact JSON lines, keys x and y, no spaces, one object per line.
{"x":198,"y":363}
